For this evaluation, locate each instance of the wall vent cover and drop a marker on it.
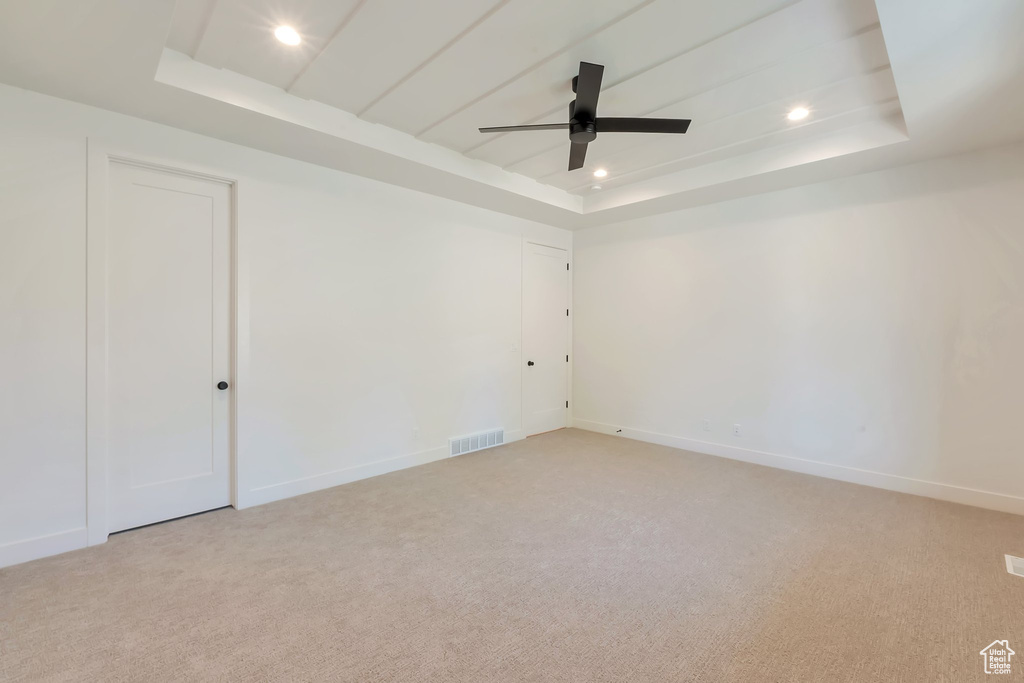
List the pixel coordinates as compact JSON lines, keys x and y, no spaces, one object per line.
{"x":476,"y":442}
{"x":1015,"y":565}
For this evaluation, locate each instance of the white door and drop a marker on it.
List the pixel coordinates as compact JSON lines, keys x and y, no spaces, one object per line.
{"x":169,"y":345}
{"x":545,"y":338}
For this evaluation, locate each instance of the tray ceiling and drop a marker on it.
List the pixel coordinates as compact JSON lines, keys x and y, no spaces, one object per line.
{"x":439,"y":70}
{"x":395,"y":89}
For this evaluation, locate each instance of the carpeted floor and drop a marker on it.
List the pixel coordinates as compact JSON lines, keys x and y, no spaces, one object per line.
{"x":570,"y":556}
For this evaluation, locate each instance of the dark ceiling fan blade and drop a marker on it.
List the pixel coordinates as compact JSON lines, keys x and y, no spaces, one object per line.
{"x":588,"y":89}
{"x":536,"y":126}
{"x":577,"y":155}
{"x":631,"y":125}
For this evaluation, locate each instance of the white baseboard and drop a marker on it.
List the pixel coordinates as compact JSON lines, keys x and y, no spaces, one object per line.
{"x":42,"y":546}
{"x":317,"y":482}
{"x":514,"y":436}
{"x":29,"y":549}
{"x":891,"y":482}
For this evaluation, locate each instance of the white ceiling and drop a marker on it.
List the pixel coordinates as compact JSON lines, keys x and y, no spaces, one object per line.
{"x":395,"y":89}
{"x":439,"y":70}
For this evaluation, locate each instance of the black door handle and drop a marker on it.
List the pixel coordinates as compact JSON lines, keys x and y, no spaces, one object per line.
{"x":222,"y":385}
{"x":529,"y":362}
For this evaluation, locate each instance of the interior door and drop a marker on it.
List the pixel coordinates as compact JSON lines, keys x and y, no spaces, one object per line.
{"x":169,"y":345}
{"x":545,"y":338}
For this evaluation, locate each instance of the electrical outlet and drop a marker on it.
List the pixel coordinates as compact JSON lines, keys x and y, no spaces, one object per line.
{"x":707,"y":425}
{"x":737,"y":430}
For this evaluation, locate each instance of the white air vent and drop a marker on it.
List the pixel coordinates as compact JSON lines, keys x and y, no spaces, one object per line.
{"x":476,"y":442}
{"x":1015,"y":565}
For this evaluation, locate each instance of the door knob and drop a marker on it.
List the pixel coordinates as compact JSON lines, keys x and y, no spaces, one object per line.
{"x":529,"y":362}
{"x":222,"y":385}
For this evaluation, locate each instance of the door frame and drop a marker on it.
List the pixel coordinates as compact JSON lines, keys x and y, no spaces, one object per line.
{"x":100,"y":156}
{"x":526,"y":242}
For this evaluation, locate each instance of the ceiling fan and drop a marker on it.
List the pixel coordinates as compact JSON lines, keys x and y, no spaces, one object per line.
{"x":584,"y":123}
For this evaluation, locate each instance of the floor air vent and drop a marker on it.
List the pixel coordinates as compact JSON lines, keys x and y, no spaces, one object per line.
{"x":476,"y":442}
{"x":1015,"y":565}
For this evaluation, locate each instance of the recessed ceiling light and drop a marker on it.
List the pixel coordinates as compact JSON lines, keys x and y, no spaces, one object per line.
{"x":798,"y":114}
{"x":595,"y":187}
{"x":600,"y":173}
{"x":287,"y":35}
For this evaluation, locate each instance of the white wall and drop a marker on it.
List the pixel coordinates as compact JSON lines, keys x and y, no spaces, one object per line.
{"x":376,"y":321}
{"x":869,"y":329}
{"x":42,"y":339}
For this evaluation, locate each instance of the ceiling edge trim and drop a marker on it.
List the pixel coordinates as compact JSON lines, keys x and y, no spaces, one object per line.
{"x":180,"y":71}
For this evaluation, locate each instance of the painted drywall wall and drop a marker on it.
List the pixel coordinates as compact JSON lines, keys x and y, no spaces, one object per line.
{"x":42,"y":341}
{"x":867,"y":329}
{"x":375,"y":322}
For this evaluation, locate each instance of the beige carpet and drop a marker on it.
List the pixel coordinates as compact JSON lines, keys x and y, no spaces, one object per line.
{"x":566,"y":557}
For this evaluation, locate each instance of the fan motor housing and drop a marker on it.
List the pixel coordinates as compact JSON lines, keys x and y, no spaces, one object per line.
{"x":582,"y":131}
